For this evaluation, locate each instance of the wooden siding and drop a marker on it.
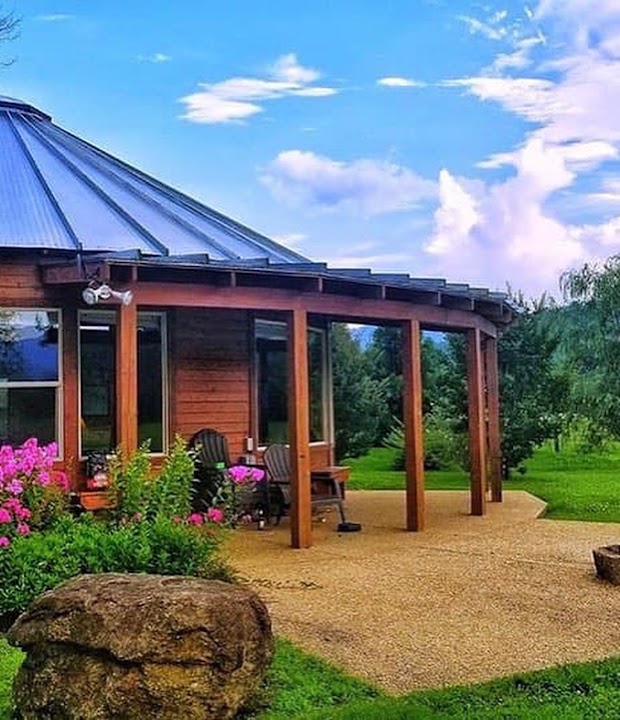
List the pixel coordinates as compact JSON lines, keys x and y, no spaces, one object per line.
{"x":210,"y":368}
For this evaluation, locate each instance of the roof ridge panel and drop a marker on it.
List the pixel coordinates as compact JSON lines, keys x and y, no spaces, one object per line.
{"x":96,"y":189}
{"x":245,"y":233}
{"x":89,"y":157}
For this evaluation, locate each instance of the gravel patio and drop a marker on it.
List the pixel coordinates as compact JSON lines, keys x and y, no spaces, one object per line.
{"x":469,"y":599}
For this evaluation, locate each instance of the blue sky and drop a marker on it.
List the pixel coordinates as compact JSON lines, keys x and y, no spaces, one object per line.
{"x":472,"y":140}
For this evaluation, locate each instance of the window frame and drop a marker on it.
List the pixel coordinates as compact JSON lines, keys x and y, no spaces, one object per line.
{"x":164,"y":371}
{"x":57,"y":384}
{"x":327,"y":401}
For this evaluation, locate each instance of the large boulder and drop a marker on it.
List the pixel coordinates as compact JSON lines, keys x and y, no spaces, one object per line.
{"x":140,"y":646}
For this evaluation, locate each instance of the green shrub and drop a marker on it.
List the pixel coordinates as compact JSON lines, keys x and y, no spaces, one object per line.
{"x":171,"y":493}
{"x":38,"y":563}
{"x":443,"y":447}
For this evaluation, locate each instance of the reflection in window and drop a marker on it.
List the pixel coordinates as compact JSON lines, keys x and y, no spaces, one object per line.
{"x":272,"y":382}
{"x":98,"y":380}
{"x":29,"y":375}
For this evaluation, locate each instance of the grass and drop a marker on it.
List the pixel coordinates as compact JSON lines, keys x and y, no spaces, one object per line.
{"x":575,"y":485}
{"x":10,"y":660}
{"x":306,"y":688}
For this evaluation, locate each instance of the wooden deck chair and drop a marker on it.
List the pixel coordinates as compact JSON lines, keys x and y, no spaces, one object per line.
{"x":212,"y":462}
{"x":277,"y":459}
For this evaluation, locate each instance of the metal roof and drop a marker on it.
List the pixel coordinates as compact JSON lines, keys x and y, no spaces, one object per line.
{"x":62,"y":195}
{"x":58,"y":192}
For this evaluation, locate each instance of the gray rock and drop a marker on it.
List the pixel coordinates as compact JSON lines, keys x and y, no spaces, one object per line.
{"x":607,"y":563}
{"x":141,"y":646}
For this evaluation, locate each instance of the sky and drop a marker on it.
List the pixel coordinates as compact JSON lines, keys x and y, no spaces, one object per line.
{"x":477,"y":141}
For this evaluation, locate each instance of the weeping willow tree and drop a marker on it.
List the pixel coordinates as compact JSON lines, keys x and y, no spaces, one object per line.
{"x":590,"y":328}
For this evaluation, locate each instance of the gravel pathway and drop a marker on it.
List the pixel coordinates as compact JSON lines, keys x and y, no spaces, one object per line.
{"x":467,"y":600}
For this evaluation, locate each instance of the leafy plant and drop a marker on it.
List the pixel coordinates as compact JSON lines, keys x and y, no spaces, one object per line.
{"x":131,"y":482}
{"x":33,"y":565}
{"x":443,"y":447}
{"x":171,"y":494}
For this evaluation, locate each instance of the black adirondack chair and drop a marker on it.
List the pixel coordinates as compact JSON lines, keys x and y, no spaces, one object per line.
{"x":277,"y":459}
{"x":212,"y":463}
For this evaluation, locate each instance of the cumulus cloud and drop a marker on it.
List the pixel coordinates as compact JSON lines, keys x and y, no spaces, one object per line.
{"x":239,"y":98}
{"x":365,"y":186}
{"x":400,"y":82}
{"x":511,"y":227}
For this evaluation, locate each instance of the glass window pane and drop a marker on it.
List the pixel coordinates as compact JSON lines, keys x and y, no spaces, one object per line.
{"x":150,"y":381}
{"x":27,"y":412}
{"x":97,"y":377}
{"x":28,"y":346}
{"x":272,"y":379}
{"x":316,"y":369}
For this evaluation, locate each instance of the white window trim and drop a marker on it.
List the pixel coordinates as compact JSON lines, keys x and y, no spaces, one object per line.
{"x":164,"y":370}
{"x":58,"y":384}
{"x":328,"y":425}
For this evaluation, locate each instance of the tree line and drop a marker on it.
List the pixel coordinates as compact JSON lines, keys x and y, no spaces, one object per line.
{"x":559,"y":373}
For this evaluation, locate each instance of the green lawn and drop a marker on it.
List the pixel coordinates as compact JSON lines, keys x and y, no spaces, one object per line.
{"x":576,"y":485}
{"x":306,"y":688}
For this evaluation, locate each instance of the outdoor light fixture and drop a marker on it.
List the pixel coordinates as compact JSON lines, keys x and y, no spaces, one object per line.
{"x":96,"y":293}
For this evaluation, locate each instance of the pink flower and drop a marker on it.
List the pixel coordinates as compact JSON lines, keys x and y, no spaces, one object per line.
{"x":238,"y":474}
{"x":5,"y":516}
{"x":257,"y":474}
{"x":196,"y":519}
{"x":4,"y":541}
{"x":15,"y":487}
{"x":44,"y":478}
{"x":137,"y":517}
{"x":22,"y":513}
{"x":61,"y":479}
{"x":176,"y":519}
{"x":23,"y":529}
{"x":215,"y":515}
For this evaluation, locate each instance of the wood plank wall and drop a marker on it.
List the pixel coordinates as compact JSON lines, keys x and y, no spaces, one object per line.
{"x":209,"y":359}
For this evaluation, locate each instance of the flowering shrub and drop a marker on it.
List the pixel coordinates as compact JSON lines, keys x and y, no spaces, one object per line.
{"x":32,"y":494}
{"x":233,"y":499}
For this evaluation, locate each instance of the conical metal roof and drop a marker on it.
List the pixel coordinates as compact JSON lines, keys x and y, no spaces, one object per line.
{"x":59,"y":192}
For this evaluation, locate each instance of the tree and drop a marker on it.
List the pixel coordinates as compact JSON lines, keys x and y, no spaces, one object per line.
{"x":534,"y":381}
{"x":590,"y":343}
{"x":9,"y":23}
{"x":359,"y":399}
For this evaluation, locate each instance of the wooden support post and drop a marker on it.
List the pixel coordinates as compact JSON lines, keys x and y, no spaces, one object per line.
{"x":299,"y":429}
{"x":493,"y":422}
{"x":127,"y":378}
{"x":477,"y":430}
{"x":413,"y":420}
{"x":70,"y":388}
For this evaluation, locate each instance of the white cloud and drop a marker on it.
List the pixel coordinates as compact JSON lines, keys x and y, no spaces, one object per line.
{"x":513,"y":228}
{"x":492,"y":29}
{"x":400,"y":82}
{"x":155,"y":58}
{"x":238,"y":98}
{"x":55,"y":17}
{"x":364,"y":187}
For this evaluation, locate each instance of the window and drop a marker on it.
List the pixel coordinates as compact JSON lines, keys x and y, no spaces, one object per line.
{"x":272,"y":382}
{"x":98,"y":380}
{"x":29,"y":376}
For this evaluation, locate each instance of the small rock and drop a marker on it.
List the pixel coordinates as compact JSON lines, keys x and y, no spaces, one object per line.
{"x":607,"y":563}
{"x":141,"y":646}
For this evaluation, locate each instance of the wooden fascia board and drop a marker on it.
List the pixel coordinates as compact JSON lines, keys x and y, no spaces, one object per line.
{"x":353,"y":308}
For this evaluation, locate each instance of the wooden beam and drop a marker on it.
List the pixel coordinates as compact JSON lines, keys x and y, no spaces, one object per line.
{"x":70,"y":400}
{"x":414,"y":436}
{"x":163,"y":294}
{"x":75,"y":273}
{"x":127,"y":378}
{"x":299,"y":429}
{"x":493,"y":421}
{"x":477,"y":434}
